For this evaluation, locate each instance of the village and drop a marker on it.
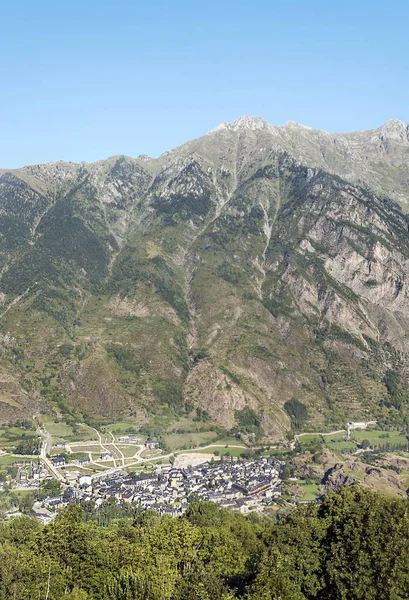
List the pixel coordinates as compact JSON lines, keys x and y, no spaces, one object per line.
{"x":126,"y":469}
{"x":242,"y":486}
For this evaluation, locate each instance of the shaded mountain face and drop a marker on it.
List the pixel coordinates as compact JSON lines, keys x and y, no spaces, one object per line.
{"x":258,"y":267}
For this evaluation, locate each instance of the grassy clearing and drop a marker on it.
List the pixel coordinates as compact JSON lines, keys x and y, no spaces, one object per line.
{"x":379,"y":439}
{"x":330,"y":441}
{"x":107,"y":463}
{"x":358,"y":474}
{"x":180,"y":441}
{"x":97,"y":468}
{"x":88,"y":448}
{"x":8,"y":446}
{"x":312,"y":491}
{"x":62,"y":431}
{"x":83,"y":433}
{"x":309,"y":438}
{"x":341,"y":446}
{"x":151,"y":454}
{"x":78,"y":456}
{"x":231,"y":440}
{"x":58,"y":430}
{"x":374,"y":433}
{"x":119,"y":428}
{"x":222,"y":451}
{"x":334,"y":437}
{"x":128,"y":451}
{"x":188,"y":425}
{"x":132,"y":463}
{"x":7,"y":460}
{"x":160,"y":461}
{"x":12,"y":436}
{"x":77,"y":469}
{"x":113,"y":451}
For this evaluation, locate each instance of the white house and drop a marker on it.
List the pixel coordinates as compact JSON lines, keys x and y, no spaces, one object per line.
{"x":85,"y":480}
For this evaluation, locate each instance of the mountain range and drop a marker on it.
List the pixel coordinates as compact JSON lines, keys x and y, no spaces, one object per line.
{"x":256,"y":274}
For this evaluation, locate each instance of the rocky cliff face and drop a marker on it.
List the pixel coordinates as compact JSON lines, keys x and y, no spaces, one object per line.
{"x":258,"y":266}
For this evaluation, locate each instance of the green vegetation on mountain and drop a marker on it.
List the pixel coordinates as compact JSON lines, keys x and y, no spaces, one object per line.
{"x":252,"y":269}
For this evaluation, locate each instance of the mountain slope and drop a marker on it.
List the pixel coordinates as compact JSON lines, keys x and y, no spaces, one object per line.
{"x":257,"y":267}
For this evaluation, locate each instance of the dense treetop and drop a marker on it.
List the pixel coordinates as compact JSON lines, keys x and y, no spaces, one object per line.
{"x":352,"y":545}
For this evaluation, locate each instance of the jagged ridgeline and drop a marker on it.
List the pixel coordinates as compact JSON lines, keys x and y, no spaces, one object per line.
{"x":257,"y":275}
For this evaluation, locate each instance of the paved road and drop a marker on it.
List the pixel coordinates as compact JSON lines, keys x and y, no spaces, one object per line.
{"x":320,"y":433}
{"x":347,"y":431}
{"x":117,"y":449}
{"x":44,"y":451}
{"x":103,"y":446}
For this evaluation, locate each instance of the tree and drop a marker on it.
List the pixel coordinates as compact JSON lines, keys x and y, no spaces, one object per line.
{"x":297,"y":412}
{"x":51,"y":487}
{"x":25,"y":503}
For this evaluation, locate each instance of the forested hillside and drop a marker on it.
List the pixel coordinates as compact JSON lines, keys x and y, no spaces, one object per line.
{"x":354,"y":545}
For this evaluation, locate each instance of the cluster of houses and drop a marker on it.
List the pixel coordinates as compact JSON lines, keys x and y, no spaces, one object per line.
{"x":28,"y":474}
{"x":59,"y":461}
{"x":241,"y":486}
{"x":30,"y":469}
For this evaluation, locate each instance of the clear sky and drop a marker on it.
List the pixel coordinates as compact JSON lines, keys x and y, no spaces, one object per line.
{"x":83,"y":80}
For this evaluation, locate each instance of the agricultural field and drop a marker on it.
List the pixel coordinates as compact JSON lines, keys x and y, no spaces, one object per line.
{"x":128,"y":451}
{"x":97,"y":468}
{"x":184,"y":441}
{"x":95,"y":449}
{"x":334,"y":437}
{"x":231,"y":440}
{"x":312,"y":491}
{"x":77,"y":469}
{"x":57,"y":430}
{"x":7,"y":459}
{"x":344,"y":445}
{"x":114,"y":452}
{"x":221,"y":450}
{"x":158,"y":461}
{"x":61,"y":431}
{"x":150,"y":454}
{"x":310,"y":438}
{"x":334,"y":441}
{"x":11,"y":437}
{"x":380,"y":439}
{"x":77,"y":456}
{"x":188,"y":425}
{"x":106,"y":463}
{"x":121,"y":428}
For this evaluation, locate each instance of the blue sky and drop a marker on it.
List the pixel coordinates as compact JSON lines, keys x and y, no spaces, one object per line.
{"x":83,"y":80}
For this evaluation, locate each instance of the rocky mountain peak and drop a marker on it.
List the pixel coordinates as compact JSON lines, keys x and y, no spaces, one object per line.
{"x":295,"y":125}
{"x":394,"y":129}
{"x":243,"y":123}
